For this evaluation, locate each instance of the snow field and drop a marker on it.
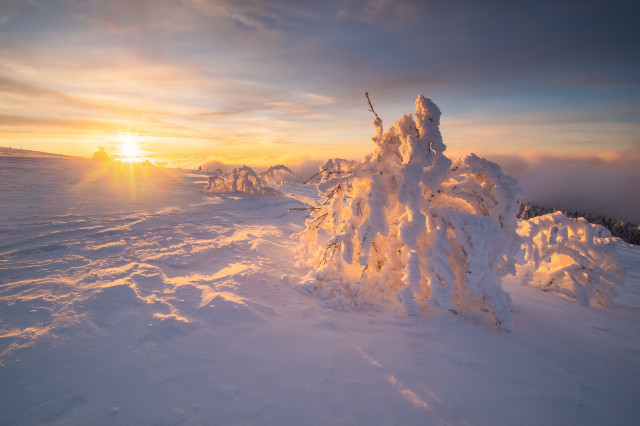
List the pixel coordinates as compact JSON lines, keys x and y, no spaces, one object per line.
{"x":160,"y":304}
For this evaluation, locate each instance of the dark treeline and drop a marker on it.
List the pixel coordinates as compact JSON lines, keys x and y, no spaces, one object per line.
{"x":627,"y":231}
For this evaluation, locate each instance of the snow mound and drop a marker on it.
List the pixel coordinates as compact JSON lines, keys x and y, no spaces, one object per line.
{"x":404,"y":226}
{"x":570,"y":257}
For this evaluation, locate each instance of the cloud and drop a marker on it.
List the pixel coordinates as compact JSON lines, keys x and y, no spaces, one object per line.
{"x":4,"y":19}
{"x":316,"y":99}
{"x":214,"y":76}
{"x":389,"y":14}
{"x":8,"y":85}
{"x":168,"y":100}
{"x":606,"y":183}
{"x":242,"y":13}
{"x":266,"y":18}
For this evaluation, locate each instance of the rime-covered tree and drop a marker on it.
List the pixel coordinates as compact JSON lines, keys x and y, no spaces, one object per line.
{"x":407,"y":225}
{"x":276,"y":175}
{"x":244,"y":179}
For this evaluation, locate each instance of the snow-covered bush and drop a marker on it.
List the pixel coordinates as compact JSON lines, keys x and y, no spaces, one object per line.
{"x":406,"y":225}
{"x":276,"y":175}
{"x":244,"y":179}
{"x":626,"y":231}
{"x":101,"y":155}
{"x":571,"y":257}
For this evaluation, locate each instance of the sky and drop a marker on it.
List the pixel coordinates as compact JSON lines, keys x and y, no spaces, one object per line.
{"x":283,"y":81}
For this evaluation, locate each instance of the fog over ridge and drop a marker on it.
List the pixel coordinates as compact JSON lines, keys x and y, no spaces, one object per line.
{"x":604,"y":183}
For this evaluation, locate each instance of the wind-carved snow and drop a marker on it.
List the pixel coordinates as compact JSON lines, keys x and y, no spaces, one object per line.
{"x":91,"y":268}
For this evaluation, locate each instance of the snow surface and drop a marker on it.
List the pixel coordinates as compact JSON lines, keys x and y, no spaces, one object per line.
{"x":130,"y":296}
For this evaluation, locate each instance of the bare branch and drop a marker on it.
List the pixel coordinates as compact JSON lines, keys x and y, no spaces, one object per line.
{"x":371,"y":106}
{"x":290,"y":209}
{"x":317,"y":174}
{"x":334,"y":172}
{"x":334,"y":191}
{"x":333,"y":247}
{"x":319,"y":220}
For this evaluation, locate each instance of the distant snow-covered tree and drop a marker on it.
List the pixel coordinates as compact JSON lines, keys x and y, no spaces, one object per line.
{"x":627,"y":231}
{"x":244,"y":179}
{"x":101,"y":155}
{"x":407,"y":225}
{"x":571,"y":257}
{"x":276,"y":175}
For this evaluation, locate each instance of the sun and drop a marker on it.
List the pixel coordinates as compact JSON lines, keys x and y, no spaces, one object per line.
{"x":129,"y":149}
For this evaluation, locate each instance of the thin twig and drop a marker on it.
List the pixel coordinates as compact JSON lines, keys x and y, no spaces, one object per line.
{"x":333,"y":247}
{"x":335,"y":172}
{"x":334,"y":191}
{"x":319,"y":220}
{"x":290,"y":209}
{"x":319,"y":173}
{"x":371,"y":106}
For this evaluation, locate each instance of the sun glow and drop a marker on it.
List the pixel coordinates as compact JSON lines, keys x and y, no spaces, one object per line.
{"x":129,"y":175}
{"x":129,"y":150}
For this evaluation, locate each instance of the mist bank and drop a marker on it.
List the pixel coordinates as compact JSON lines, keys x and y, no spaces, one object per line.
{"x":602,"y":183}
{"x":605,"y":184}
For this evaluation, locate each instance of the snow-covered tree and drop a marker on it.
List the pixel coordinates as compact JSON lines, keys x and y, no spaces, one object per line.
{"x":407,"y":225}
{"x":276,"y":175}
{"x":244,"y":179}
{"x":571,"y":257}
{"x":627,"y":231}
{"x":101,"y":155}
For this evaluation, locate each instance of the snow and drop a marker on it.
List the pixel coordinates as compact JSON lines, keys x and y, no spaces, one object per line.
{"x":128,"y":295}
{"x":571,"y":257}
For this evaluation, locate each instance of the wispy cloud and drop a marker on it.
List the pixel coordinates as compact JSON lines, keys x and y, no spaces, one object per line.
{"x":392,"y":14}
{"x":243,"y":12}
